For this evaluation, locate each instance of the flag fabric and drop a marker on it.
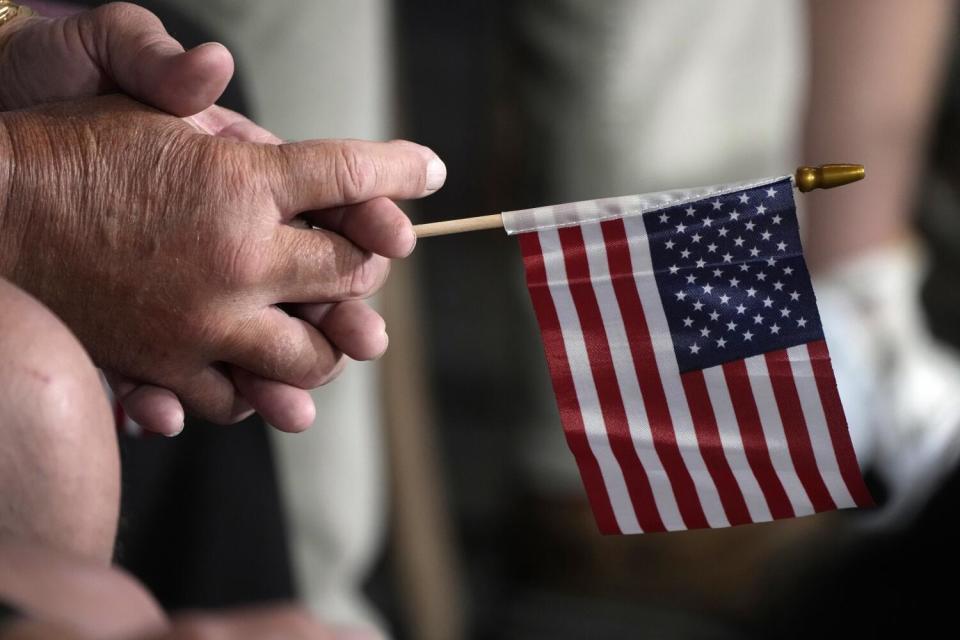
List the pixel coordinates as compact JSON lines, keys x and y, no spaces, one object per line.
{"x":687,"y":357}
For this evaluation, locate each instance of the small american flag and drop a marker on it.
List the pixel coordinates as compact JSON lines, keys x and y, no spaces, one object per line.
{"x":687,"y":357}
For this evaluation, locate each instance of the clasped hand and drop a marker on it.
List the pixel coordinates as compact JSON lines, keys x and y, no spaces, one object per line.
{"x":175,"y":248}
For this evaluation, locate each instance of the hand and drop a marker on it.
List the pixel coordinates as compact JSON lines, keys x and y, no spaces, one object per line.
{"x":124,"y":47}
{"x":200,"y":247}
{"x":118,"y":47}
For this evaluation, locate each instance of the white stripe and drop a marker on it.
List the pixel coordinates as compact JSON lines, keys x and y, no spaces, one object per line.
{"x":623,"y":365}
{"x":670,"y":372}
{"x":583,"y":382}
{"x":816,"y":420}
{"x":576,"y":213}
{"x":774,"y":435}
{"x":733,"y":444}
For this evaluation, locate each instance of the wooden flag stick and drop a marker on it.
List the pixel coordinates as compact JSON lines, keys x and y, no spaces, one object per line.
{"x":805,"y":179}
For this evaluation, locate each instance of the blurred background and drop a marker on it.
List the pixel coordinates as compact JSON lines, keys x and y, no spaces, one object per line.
{"x":435,"y":497}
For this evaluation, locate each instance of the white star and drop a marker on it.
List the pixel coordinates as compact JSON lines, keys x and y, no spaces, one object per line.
{"x":722,"y":231}
{"x":734,"y":282}
{"x":697,"y":305}
{"x":673,"y":270}
{"x":794,"y":296}
{"x":771,"y":192}
{"x":744,"y":267}
{"x":767,"y":302}
{"x":708,"y":222}
{"x":731,"y":325}
{"x":694,"y":348}
{"x":776,"y":219}
{"x":705,"y":332}
{"x":690,"y":210}
{"x":696,"y":237}
{"x":758,"y":319}
{"x":778,"y":286}
{"x":707,"y":289}
{"x":787,"y":271}
{"x":714,"y":316}
{"x":738,"y":241}
{"x":754,"y":252}
{"x":688,"y":321}
{"x":681,"y":295}
{"x":681,"y":228}
{"x":701,"y":263}
{"x":761,"y":210}
{"x":740,"y":309}
{"x":734,"y":215}
{"x":765,"y":235}
{"x":669,"y":244}
{"x":744,"y":199}
{"x":751,"y":292}
{"x":721,"y":343}
{"x":685,"y":253}
{"x":691,"y":279}
{"x":663,"y":218}
{"x":761,"y":276}
{"x":748,"y":335}
{"x":717,"y":273}
{"x":750,"y":225}
{"x":771,"y":261}
{"x":774,"y":328}
{"x":727,"y":257}
{"x":712,"y":248}
{"x":716,"y":205}
{"x":781,"y":246}
{"x":724,"y":299}
{"x":784,"y":313}
{"x":801,"y":322}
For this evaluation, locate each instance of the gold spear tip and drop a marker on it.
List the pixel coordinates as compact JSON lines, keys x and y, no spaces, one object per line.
{"x":828,"y":176}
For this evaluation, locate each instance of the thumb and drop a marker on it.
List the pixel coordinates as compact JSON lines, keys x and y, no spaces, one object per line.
{"x":135,"y":51}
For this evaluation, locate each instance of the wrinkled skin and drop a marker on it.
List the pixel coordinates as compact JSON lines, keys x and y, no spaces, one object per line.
{"x":122,"y":47}
{"x":165,"y":248}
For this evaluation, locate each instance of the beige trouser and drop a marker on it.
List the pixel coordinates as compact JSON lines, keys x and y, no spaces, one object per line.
{"x":317,"y":70}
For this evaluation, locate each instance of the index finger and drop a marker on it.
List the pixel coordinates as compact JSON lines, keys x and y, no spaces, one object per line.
{"x":319,"y":174}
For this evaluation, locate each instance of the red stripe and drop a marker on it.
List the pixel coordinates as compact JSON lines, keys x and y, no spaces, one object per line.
{"x":795,"y":430}
{"x":605,"y":379}
{"x":563,"y":387}
{"x":711,"y":447}
{"x":648,"y":375}
{"x":754,"y":441}
{"x":837,"y":423}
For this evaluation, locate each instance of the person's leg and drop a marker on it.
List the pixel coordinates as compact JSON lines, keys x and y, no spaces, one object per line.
{"x":59,"y":463}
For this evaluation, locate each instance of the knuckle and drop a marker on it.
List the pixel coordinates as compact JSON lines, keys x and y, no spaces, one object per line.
{"x":115,"y":13}
{"x":367,"y":275}
{"x":355,"y":173}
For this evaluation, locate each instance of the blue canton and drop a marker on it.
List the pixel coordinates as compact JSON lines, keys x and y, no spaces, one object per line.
{"x":731,"y":276}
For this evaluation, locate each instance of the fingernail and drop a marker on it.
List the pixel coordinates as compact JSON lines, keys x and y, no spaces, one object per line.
{"x":176,"y":432}
{"x":436,"y":174}
{"x":411,"y":241}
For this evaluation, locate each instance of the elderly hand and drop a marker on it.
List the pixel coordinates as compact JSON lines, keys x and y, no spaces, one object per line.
{"x":118,"y":47}
{"x":167,"y":250}
{"x":123,"y":47}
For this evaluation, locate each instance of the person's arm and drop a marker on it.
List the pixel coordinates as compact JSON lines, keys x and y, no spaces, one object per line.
{"x":875,"y":70}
